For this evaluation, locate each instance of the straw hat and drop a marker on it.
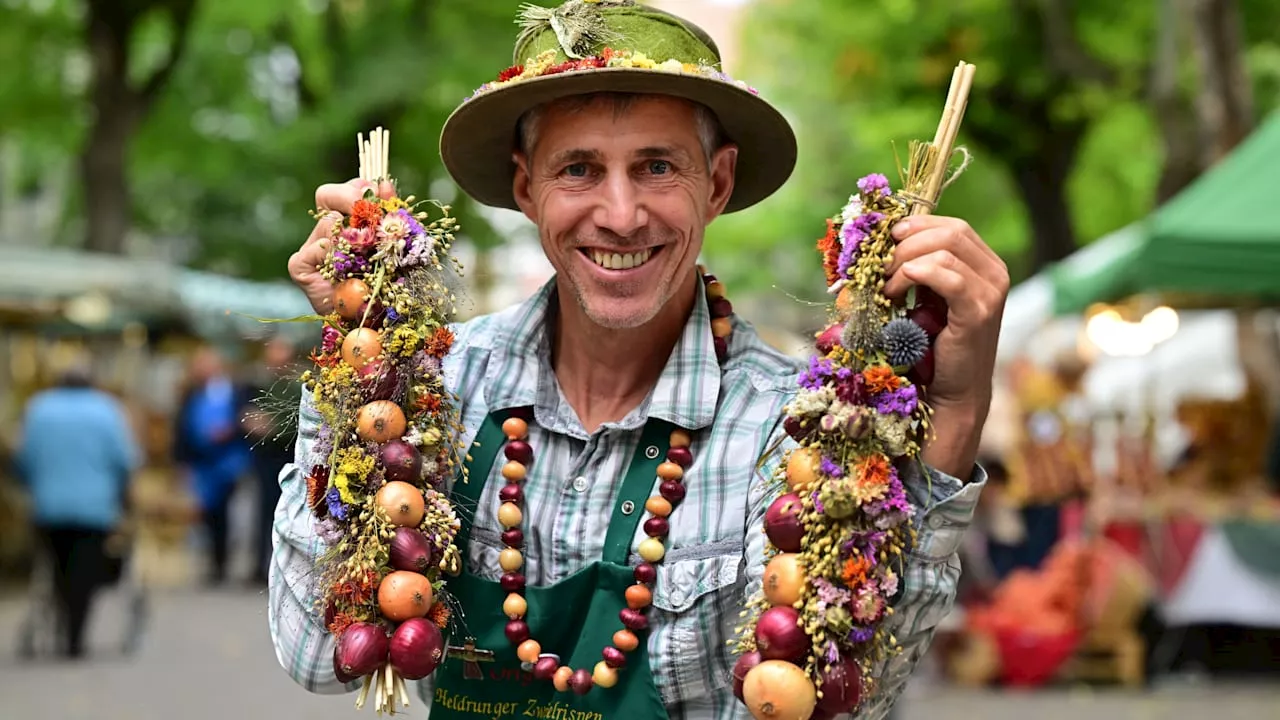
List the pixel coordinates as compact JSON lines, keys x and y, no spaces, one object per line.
{"x":587,"y":46}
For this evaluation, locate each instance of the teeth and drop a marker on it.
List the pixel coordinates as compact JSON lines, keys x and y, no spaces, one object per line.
{"x":615,"y":261}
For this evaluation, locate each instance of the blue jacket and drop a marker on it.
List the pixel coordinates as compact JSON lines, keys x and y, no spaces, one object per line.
{"x":76,"y":457}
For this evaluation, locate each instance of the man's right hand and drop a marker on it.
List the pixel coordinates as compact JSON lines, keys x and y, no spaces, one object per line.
{"x":335,"y":200}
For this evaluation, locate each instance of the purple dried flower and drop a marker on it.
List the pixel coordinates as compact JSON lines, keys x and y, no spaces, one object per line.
{"x":849,"y":387}
{"x":859,"y":635}
{"x":393,"y":316}
{"x":817,"y":503}
{"x":893,"y":508}
{"x":902,"y":401}
{"x":850,"y":240}
{"x":874,"y":183}
{"x":337,"y":508}
{"x":323,"y":446}
{"x":817,"y":374}
{"x":329,"y":532}
{"x":329,"y":339}
{"x":829,"y":468}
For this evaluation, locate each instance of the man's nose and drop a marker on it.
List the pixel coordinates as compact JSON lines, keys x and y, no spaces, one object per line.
{"x":621,"y":207}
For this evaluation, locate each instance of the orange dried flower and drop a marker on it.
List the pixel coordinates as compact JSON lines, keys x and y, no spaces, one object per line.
{"x":440,"y":342}
{"x":874,"y":471}
{"x":341,"y":621}
{"x":429,"y":402}
{"x":317,"y":485}
{"x":829,"y":246}
{"x":365,"y":213}
{"x":439,"y":614}
{"x":881,"y":378}
{"x":855,"y":570}
{"x":323,"y":360}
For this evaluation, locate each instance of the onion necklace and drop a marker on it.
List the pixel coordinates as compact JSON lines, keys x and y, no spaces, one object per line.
{"x":519,"y":454}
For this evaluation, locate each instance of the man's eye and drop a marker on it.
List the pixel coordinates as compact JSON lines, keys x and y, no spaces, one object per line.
{"x":576,"y":170}
{"x":659,"y":167}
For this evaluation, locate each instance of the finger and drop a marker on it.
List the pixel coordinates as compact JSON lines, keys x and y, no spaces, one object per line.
{"x":323,"y":230}
{"x":386,"y":190}
{"x":955,"y":236}
{"x":341,"y":196}
{"x":957,"y":283}
{"x":920,"y":223}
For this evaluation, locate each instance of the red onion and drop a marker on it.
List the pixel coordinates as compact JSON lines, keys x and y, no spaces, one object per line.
{"x":782,"y":523}
{"x":779,"y":635}
{"x":633,"y":619}
{"x":829,"y":339}
{"x":922,"y":373}
{"x":361,"y":649}
{"x":380,"y":380}
{"x":740,"y":670}
{"x":402,"y":462}
{"x":517,"y":631}
{"x":613,"y":657}
{"x":512,"y":582}
{"x":841,"y":688}
{"x":417,"y":647}
{"x":545,"y":668}
{"x":930,"y":312}
{"x":337,"y":669}
{"x":410,"y":550}
{"x":581,"y":682}
{"x":646,"y":573}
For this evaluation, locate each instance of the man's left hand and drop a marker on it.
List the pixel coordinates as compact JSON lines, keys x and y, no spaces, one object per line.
{"x":946,"y":255}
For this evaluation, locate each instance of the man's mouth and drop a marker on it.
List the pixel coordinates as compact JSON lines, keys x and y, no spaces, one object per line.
{"x":619,"y":261}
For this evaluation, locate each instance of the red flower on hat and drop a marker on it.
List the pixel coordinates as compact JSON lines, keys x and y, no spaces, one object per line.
{"x":513,"y":71}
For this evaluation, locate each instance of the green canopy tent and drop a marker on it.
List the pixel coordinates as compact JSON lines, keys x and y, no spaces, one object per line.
{"x":1215,"y":243}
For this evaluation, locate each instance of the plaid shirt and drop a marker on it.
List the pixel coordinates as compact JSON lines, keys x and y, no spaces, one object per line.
{"x":716,"y":542}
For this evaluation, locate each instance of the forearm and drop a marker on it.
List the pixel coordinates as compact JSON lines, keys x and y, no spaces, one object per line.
{"x":957,"y":433}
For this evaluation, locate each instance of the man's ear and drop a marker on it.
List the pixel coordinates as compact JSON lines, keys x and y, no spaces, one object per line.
{"x":520,"y":186}
{"x":724,"y":167}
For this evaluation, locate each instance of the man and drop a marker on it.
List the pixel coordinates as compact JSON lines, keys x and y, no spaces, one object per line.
{"x":621,"y":186}
{"x":76,"y":458}
{"x":210,"y":445}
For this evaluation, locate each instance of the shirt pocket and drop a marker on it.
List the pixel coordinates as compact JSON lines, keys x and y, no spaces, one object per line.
{"x":696,"y":602}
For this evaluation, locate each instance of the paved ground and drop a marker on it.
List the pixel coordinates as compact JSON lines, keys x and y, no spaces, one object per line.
{"x":207,"y":656}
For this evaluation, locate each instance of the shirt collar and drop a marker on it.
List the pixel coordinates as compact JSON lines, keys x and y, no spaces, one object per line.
{"x":685,"y":395}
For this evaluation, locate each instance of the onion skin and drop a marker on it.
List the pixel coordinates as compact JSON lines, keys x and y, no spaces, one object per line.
{"x":783,"y":525}
{"x":829,"y":339}
{"x":380,"y":421}
{"x":361,"y":649}
{"x":784,"y":580}
{"x":401,"y":462}
{"x":741,"y":668}
{"x":841,"y":688}
{"x":410,"y":550}
{"x":379,"y":380}
{"x":779,"y":635}
{"x":778,"y":690}
{"x":403,"y":503}
{"x":403,"y":595}
{"x":416,"y":648}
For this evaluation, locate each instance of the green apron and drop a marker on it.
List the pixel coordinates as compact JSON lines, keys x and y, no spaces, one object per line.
{"x":574,"y":618}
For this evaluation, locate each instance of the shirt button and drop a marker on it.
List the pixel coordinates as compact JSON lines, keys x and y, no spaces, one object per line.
{"x":651,"y":452}
{"x":580,"y":484}
{"x":937,"y":521}
{"x":628,"y":507}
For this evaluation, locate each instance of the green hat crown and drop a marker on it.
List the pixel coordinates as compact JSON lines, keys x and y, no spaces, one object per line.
{"x":584,"y":28}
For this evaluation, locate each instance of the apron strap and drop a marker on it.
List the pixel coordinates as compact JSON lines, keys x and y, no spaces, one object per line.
{"x":466,"y":494}
{"x":637,"y":485}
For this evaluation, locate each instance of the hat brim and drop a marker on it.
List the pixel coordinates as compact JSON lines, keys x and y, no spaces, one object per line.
{"x":479,"y":137}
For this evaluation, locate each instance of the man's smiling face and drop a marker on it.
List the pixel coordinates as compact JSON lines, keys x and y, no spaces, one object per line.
{"x":621,"y":195}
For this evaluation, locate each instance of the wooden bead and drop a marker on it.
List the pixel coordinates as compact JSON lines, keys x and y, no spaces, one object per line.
{"x":509,"y":515}
{"x":639,"y":597}
{"x":510,"y":559}
{"x":658,"y":506}
{"x":515,"y":428}
{"x":721,"y":327}
{"x":625,"y":640}
{"x":680,"y":438}
{"x":604,"y":676}
{"x":561,"y":678}
{"x":715,"y":289}
{"x":670,"y":471}
{"x":652,"y":550}
{"x":514,"y":471}
{"x":515,"y":606}
{"x":529,"y":651}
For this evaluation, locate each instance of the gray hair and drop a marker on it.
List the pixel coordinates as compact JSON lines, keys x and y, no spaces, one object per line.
{"x":710,"y":133}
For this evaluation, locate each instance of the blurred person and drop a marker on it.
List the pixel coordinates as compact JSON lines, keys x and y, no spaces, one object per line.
{"x":606,"y":353}
{"x":76,"y":457}
{"x":209,"y":445}
{"x":270,"y":429}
